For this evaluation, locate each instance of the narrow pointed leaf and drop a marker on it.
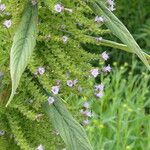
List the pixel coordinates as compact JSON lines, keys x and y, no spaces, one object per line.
{"x":23,"y":45}
{"x":71,"y":131}
{"x":118,"y":29}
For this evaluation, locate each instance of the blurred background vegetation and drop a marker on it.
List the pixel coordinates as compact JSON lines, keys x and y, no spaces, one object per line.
{"x":121,"y":120}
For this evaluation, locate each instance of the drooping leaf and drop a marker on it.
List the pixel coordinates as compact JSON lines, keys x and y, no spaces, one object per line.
{"x":71,"y":131}
{"x":23,"y":44}
{"x":118,"y":29}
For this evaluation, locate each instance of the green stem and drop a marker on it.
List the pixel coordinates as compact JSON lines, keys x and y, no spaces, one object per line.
{"x":121,"y":47}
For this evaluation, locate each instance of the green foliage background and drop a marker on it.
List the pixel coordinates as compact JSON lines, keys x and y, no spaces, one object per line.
{"x":121,"y":119}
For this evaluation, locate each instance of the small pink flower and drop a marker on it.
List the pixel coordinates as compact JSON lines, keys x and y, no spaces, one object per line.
{"x":2,"y":7}
{"x":88,"y":113}
{"x":105,"y":56}
{"x":86,"y":105}
{"x":98,"y":39}
{"x":99,"y":87}
{"x":7,"y":23}
{"x":107,"y":69}
{"x":70,"y":83}
{"x":111,"y":5}
{"x":111,"y":8}
{"x":58,"y":7}
{"x":99,"y":19}
{"x":110,"y":2}
{"x":94,"y":72}
{"x":50,"y":100}
{"x":65,"y":39}
{"x":41,"y":70}
{"x":85,"y":122}
{"x":55,"y":89}
{"x":99,"y":95}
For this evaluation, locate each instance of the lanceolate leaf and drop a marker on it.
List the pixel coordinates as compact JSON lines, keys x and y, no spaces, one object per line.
{"x":71,"y":132}
{"x":23,"y":45}
{"x":118,"y":29}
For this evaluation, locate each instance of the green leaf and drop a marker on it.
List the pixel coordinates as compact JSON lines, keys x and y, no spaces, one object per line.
{"x":71,"y":131}
{"x":118,"y":29}
{"x":23,"y":44}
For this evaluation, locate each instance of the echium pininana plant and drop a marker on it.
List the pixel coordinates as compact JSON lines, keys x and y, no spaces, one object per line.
{"x":49,"y":59}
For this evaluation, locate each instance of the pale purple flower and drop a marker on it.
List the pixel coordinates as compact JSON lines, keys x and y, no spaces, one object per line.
{"x":70,"y":83}
{"x":107,"y":69}
{"x":40,"y":147}
{"x":50,"y":100}
{"x":88,"y":113}
{"x":99,"y":19}
{"x":105,"y":56}
{"x":99,"y":95}
{"x":7,"y":23}
{"x":2,"y":7}
{"x":58,"y":7}
{"x":75,"y":82}
{"x":99,"y":87}
{"x":110,"y":2}
{"x":86,"y":105}
{"x":2,"y":132}
{"x":94,"y":72}
{"x":65,"y":39}
{"x":55,"y":89}
{"x":34,"y":2}
{"x":41,"y":70}
{"x":85,"y":122}
{"x":98,"y":39}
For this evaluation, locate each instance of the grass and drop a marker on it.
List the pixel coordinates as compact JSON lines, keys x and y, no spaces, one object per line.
{"x":121,"y":119}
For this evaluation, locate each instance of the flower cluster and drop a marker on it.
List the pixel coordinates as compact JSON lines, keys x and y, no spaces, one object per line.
{"x":95,"y":72}
{"x":72,"y":83}
{"x":86,"y":112}
{"x":6,"y":23}
{"x":99,"y":90}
